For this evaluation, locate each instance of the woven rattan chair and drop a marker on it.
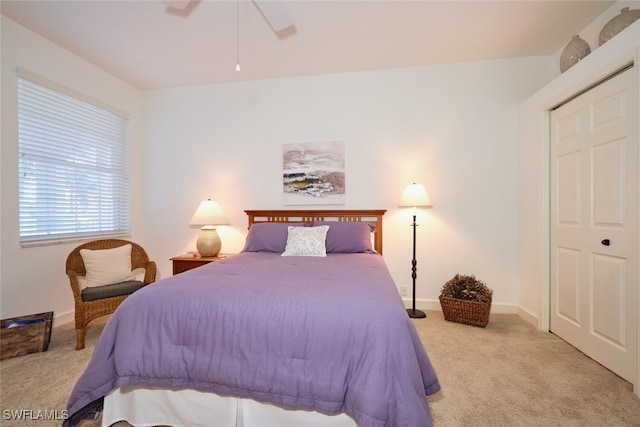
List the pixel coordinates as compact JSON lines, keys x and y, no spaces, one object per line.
{"x":86,"y":311}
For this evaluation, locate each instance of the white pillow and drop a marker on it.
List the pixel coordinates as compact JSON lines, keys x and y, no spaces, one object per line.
{"x":82,"y":281}
{"x":107,"y":266}
{"x":138,"y":274}
{"x":306,"y":241}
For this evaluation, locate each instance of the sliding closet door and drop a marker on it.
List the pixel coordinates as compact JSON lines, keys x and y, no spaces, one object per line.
{"x":593,"y":201}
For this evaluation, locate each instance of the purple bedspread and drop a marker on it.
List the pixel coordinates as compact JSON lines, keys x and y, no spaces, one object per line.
{"x":328,"y":334}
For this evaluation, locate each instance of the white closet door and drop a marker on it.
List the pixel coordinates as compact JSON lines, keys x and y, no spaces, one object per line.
{"x":593,"y":201}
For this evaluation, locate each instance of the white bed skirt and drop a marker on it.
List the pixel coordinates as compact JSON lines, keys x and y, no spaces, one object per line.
{"x":191,"y":408}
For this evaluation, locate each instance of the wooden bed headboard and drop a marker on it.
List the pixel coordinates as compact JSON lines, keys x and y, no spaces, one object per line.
{"x":371,"y":216}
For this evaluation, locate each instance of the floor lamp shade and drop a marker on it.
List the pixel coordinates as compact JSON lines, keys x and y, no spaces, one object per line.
{"x":208,"y":215}
{"x":414,"y":196}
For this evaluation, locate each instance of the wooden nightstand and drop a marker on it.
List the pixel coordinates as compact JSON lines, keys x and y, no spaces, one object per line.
{"x":184,"y":262}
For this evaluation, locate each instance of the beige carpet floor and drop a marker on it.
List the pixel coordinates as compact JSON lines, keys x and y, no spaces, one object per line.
{"x":507,"y":374}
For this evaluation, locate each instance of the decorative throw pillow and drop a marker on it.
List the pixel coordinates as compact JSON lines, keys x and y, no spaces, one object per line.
{"x":268,"y":237}
{"x":306,"y":241}
{"x":347,"y":237}
{"x":107,"y":266}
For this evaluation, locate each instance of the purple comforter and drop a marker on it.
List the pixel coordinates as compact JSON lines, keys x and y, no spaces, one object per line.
{"x":327,"y":334}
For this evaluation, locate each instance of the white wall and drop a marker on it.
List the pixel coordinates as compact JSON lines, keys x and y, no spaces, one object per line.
{"x":33,"y":280}
{"x":451,"y":127}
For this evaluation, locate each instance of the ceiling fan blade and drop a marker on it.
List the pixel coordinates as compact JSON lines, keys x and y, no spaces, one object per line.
{"x":177,"y":4}
{"x":275,"y":14}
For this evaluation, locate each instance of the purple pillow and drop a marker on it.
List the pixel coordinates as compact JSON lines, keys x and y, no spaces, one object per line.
{"x":346,"y":237}
{"x":268,"y":236}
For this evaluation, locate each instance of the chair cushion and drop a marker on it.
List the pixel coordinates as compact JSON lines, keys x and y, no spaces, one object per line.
{"x":113,"y":290}
{"x":137,"y":274}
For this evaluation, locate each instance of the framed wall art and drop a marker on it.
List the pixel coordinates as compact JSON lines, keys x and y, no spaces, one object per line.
{"x":313,"y":173}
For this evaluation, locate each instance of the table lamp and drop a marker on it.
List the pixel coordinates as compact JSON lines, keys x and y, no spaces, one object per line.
{"x":208,"y":215}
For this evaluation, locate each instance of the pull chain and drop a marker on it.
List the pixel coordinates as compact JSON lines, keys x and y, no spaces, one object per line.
{"x":237,"y":35}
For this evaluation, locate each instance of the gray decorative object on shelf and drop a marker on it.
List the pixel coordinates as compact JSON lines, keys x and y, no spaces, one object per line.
{"x":573,"y":52}
{"x":618,"y":23}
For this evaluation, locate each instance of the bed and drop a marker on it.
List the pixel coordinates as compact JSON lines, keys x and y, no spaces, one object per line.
{"x":303,"y":327}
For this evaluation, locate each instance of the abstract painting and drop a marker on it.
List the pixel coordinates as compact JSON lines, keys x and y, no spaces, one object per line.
{"x":313,"y":173}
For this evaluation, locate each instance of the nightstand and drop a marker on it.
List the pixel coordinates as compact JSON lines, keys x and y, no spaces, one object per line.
{"x":184,"y":263}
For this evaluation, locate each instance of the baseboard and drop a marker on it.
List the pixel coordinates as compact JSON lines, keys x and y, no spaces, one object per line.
{"x":498,"y":308}
{"x":63,"y":319}
{"x":528,"y":317}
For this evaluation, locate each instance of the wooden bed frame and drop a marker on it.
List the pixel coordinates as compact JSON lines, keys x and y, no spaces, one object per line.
{"x":307,"y":216}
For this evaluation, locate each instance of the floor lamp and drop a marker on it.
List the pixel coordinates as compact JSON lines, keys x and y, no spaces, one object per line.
{"x":415,"y":196}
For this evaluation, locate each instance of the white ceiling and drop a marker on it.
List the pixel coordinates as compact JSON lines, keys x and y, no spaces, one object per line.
{"x":150,"y":45}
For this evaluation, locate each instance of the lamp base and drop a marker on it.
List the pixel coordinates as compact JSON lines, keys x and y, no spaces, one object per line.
{"x":416,"y":314}
{"x":208,"y":243}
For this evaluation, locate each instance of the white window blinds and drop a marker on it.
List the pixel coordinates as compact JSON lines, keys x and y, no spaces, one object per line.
{"x":73,"y":165}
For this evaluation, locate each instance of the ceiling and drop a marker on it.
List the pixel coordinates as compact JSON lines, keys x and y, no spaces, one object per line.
{"x":151,"y":45}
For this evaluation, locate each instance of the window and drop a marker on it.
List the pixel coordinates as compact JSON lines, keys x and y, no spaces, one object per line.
{"x":73,"y":165}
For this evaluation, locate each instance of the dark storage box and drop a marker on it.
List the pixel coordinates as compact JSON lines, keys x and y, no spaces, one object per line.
{"x":28,"y":334}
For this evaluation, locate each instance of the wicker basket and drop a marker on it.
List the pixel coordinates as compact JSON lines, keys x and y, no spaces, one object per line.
{"x":463,"y":311}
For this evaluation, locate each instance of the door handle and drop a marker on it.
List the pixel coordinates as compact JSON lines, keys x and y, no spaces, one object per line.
{"x":606,"y":242}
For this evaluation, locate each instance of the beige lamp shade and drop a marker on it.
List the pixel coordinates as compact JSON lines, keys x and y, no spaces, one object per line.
{"x":208,"y":215}
{"x":415,"y":196}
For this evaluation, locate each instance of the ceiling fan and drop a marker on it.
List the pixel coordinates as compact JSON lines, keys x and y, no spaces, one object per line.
{"x":272,"y":10}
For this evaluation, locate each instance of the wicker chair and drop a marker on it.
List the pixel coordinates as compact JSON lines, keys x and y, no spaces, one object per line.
{"x":86,"y":311}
